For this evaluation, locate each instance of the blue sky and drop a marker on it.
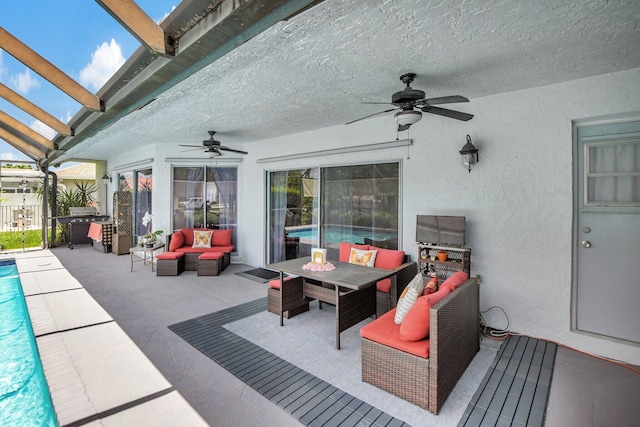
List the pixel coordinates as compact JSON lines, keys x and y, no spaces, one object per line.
{"x":77,"y":36}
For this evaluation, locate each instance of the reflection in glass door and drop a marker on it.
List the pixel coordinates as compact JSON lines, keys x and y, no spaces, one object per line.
{"x":143,"y":199}
{"x":293,"y":213}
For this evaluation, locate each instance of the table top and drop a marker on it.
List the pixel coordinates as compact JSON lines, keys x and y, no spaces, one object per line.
{"x":346,"y":275}
{"x":146,"y":249}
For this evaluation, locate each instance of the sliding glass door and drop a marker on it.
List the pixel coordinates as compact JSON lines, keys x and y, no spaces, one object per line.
{"x":205,"y":197}
{"x":325,"y":206}
{"x":360,"y":204}
{"x":293,"y":213}
{"x":140,"y":184}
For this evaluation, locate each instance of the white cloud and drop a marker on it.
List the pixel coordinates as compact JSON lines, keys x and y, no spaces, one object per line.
{"x":43,"y":129}
{"x":165,"y":15}
{"x":105,"y":61}
{"x":8,"y":156}
{"x":24,"y":82}
{"x":3,"y":70}
{"x":67,"y":118}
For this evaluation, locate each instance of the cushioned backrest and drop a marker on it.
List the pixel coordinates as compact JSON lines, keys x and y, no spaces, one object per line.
{"x":388,"y":258}
{"x":177,"y":241}
{"x":455,"y":280}
{"x":188,"y":235}
{"x":221,"y":238}
{"x":345,"y":250}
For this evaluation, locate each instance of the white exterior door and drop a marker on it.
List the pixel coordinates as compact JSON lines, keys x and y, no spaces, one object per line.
{"x":606,"y":291}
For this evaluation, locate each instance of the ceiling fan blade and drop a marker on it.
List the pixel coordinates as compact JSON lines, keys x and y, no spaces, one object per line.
{"x":458,"y":115}
{"x":190,"y":149}
{"x":233,"y":150}
{"x":370,"y":115}
{"x":379,"y":103}
{"x":446,"y":100}
{"x":185,"y":145}
{"x":403,"y":127}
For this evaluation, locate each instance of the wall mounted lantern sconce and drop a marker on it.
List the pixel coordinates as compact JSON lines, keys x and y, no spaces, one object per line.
{"x":106,"y":178}
{"x":469,"y":155}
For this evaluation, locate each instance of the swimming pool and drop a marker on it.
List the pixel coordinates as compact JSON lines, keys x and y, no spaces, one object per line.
{"x":336,"y":234}
{"x":24,"y":395}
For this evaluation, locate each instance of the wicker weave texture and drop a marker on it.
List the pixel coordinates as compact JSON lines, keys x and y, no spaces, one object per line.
{"x":454,"y":341}
{"x":209,"y":267}
{"x":169,"y":267}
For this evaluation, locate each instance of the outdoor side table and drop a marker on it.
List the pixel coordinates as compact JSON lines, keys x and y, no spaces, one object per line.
{"x":144,"y":253}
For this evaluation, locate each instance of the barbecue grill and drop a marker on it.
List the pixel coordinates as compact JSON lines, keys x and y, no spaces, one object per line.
{"x":79,"y":220}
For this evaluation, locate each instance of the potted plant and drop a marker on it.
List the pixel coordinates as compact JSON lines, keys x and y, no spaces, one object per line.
{"x":151,"y":237}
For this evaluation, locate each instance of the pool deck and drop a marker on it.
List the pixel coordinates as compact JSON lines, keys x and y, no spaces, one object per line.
{"x":96,"y":373}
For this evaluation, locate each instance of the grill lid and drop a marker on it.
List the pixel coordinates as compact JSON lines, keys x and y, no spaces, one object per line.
{"x":86,"y":211}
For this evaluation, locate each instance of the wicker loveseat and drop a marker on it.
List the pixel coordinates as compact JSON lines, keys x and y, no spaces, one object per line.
{"x":424,"y":372}
{"x":387,"y":290}
{"x":182,"y":241}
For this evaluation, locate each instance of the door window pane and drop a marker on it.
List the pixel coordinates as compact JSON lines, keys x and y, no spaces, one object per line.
{"x":613,"y":173}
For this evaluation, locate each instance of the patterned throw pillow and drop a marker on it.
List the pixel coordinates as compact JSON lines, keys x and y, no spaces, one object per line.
{"x":409,"y":296}
{"x":432,"y":286}
{"x":201,"y":239}
{"x":362,"y":257}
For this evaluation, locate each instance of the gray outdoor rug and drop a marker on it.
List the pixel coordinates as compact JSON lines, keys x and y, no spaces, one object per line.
{"x":307,"y":398}
{"x":298,"y":368}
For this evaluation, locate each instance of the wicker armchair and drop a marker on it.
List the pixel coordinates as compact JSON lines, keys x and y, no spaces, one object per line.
{"x":454,"y":341}
{"x":289,"y":302}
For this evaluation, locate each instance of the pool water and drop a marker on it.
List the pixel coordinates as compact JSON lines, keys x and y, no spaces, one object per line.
{"x":340,"y":234}
{"x":24,"y":395}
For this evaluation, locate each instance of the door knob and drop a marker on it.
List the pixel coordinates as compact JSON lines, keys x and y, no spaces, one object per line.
{"x":586,"y":244}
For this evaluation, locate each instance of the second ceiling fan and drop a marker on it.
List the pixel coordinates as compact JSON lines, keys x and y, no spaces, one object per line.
{"x":410,"y":104}
{"x":213,"y":146}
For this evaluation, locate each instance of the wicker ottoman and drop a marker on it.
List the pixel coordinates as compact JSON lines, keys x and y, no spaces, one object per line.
{"x":210,"y":263}
{"x":170,"y":263}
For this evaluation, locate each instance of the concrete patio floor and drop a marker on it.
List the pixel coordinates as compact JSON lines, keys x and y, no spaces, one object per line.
{"x":104,"y":340}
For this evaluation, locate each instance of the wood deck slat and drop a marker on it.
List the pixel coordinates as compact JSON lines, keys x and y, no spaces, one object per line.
{"x":307,"y":398}
{"x":515,"y":390}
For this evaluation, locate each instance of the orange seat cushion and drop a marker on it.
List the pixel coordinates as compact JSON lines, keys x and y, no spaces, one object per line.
{"x":211,"y":255}
{"x":170,"y":255}
{"x":384,"y":330}
{"x":275,"y":283}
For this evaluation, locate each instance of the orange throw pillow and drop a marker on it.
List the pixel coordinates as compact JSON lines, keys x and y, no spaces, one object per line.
{"x":416,"y":323}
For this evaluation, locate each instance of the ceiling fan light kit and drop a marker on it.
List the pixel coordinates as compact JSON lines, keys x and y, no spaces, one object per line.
{"x":407,"y":117}
{"x":408,"y":100}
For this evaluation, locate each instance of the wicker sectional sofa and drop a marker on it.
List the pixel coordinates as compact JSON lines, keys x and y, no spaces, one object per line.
{"x":182,"y":241}
{"x":424,"y":372}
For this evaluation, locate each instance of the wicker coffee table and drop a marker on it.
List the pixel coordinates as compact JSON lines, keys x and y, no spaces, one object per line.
{"x":350,"y":287}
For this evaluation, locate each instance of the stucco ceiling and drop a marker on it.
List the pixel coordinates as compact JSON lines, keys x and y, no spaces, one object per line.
{"x":314,"y":70}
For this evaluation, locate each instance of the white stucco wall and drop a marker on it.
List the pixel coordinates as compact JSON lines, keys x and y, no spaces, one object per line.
{"x":517,"y":200}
